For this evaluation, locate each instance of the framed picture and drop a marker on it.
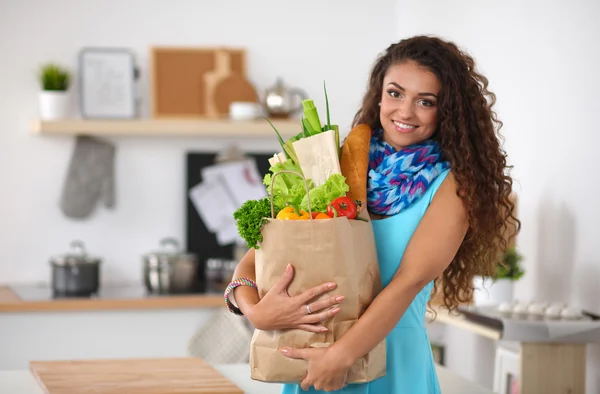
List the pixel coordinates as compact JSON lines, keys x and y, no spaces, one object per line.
{"x":507,"y":369}
{"x":107,"y":83}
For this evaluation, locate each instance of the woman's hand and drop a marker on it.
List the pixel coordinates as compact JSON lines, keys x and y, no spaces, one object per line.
{"x":327,"y":370}
{"x":277,"y":310}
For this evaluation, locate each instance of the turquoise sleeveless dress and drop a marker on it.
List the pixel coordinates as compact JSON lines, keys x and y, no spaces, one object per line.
{"x":410,"y":365}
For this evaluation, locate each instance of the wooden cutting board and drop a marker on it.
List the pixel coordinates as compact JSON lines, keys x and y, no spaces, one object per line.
{"x":132,"y":376}
{"x":235,"y":87}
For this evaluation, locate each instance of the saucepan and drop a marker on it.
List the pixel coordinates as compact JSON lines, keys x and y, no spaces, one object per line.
{"x":75,"y":274}
{"x":171,"y":270}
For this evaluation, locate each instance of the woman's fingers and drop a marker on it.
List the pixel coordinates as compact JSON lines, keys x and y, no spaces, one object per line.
{"x":314,"y":292}
{"x":321,"y":316}
{"x":284,"y":281}
{"x":325,"y":303}
{"x":312,"y":327}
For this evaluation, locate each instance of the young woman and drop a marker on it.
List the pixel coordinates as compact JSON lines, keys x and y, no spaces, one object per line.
{"x":438,"y":195}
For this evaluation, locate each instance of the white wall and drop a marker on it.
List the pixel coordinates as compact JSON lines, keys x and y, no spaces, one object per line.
{"x":542,"y":60}
{"x":304,"y":42}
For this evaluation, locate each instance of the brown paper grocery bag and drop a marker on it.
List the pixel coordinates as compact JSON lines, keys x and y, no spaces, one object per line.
{"x":338,"y":250}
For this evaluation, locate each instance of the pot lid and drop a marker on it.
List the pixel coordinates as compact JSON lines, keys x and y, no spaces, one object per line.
{"x":78,"y":256}
{"x":169,"y":248}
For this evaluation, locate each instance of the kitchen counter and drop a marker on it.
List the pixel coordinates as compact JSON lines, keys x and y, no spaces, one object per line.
{"x":23,"y":382}
{"x":23,"y":298}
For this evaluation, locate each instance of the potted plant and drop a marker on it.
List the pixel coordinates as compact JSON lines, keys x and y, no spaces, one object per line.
{"x":54,"y":98}
{"x":499,"y":287}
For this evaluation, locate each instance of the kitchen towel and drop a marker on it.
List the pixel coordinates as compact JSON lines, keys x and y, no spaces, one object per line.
{"x":89,"y":178}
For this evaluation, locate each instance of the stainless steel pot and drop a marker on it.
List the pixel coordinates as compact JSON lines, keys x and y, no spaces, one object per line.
{"x":171,"y":271}
{"x":75,"y":274}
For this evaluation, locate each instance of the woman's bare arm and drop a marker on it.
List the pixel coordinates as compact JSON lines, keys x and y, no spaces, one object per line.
{"x":245,"y":296}
{"x":430,"y":250}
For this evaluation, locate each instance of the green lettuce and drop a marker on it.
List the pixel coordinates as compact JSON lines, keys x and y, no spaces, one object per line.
{"x":335,"y":186}
{"x":288,"y":189}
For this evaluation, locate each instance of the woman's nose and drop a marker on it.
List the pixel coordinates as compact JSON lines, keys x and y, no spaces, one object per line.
{"x":405,"y":109}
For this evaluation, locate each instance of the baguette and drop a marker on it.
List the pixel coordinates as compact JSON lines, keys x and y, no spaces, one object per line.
{"x":354,"y":162}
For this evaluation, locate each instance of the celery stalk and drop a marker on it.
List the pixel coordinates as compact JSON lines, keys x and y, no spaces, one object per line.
{"x":311,"y":115}
{"x":308,"y":130}
{"x":290,"y":151}
{"x":305,"y":132}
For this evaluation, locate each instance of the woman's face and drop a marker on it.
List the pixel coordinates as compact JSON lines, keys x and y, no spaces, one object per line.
{"x":408,"y":111}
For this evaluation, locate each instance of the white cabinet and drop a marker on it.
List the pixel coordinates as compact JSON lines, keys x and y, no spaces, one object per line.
{"x":100,"y":334}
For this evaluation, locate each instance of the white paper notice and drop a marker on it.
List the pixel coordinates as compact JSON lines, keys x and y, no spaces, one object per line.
{"x":213,"y":203}
{"x":241,"y":178}
{"x":225,"y":187}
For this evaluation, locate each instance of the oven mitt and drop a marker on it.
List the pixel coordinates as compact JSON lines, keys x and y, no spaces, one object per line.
{"x":90,"y":176}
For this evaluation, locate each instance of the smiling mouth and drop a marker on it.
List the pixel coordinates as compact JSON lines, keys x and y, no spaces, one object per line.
{"x":404,"y":126}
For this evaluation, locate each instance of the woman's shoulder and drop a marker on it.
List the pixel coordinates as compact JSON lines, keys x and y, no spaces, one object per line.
{"x":447,"y":195}
{"x":438,"y":182}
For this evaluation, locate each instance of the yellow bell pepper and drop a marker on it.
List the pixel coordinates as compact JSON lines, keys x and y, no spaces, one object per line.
{"x":288,"y":213}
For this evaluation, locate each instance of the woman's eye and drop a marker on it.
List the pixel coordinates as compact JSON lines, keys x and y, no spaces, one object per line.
{"x":394,"y":93}
{"x":426,"y":103}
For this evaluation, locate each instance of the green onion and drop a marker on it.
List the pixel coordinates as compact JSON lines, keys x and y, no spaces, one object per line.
{"x":327,"y":107}
{"x":290,"y":154}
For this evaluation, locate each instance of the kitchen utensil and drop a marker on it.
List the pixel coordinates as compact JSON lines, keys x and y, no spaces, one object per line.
{"x":189,"y":375}
{"x":281,"y":101}
{"x":234,"y":87}
{"x":171,"y":271}
{"x":239,"y":110}
{"x":75,"y":274}
{"x":212,"y":78}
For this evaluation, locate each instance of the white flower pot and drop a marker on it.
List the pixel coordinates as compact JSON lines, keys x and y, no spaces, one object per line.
{"x":53,"y":105}
{"x":490,"y":292}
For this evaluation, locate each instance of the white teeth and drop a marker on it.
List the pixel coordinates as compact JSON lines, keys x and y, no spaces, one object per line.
{"x":404,"y":125}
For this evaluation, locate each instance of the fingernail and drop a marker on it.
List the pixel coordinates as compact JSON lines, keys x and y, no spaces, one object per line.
{"x":324,"y":329}
{"x":287,"y":268}
{"x":284,"y":350}
{"x":335,"y":310}
{"x":339,"y":299}
{"x":331,"y":285}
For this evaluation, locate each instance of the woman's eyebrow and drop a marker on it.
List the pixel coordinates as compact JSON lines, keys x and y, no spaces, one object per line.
{"x":420,"y":94}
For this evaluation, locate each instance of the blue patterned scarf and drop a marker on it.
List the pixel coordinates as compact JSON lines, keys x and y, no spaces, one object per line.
{"x":397,"y":179}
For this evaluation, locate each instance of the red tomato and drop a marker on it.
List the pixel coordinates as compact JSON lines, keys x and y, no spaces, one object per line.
{"x":342,"y":206}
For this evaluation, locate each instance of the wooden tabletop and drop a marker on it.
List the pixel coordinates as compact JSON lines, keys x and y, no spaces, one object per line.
{"x":24,"y":382}
{"x":135,"y":376}
{"x":12,"y":301}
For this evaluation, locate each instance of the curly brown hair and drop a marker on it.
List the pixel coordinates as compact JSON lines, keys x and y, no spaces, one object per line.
{"x":470,"y":141}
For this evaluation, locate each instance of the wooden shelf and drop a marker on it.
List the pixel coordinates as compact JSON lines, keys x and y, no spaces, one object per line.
{"x":10,"y":301}
{"x":168,"y":127}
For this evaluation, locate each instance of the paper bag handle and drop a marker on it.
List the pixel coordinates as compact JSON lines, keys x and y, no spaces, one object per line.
{"x":305,"y":187}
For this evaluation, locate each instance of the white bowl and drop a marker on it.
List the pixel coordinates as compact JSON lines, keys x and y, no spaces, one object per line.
{"x":239,"y":110}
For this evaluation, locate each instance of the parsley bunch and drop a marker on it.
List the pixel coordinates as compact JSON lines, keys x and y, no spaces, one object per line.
{"x":250,"y":218}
